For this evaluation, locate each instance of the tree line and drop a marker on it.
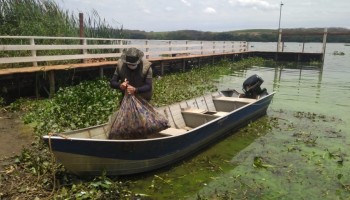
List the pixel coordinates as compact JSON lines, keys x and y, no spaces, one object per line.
{"x":258,"y":35}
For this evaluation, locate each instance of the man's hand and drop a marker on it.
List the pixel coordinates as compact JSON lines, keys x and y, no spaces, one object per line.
{"x":124,"y":85}
{"x":131,"y":89}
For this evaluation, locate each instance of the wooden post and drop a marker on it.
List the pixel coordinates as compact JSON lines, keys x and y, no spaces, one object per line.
{"x":170,"y":49}
{"x":244,"y":46}
{"x":32,"y":43}
{"x":324,"y":44}
{"x":81,"y":24}
{"x":52,"y":83}
{"x":201,"y":47}
{"x":147,"y":49}
{"x":224,"y":47}
{"x":81,"y":31}
{"x":37,"y":87}
{"x":278,"y":43}
{"x":85,"y":52}
{"x":303,"y":47}
{"x":279,"y":40}
{"x":161,"y":68}
{"x":186,"y":47}
{"x":183,"y":65}
{"x":214,"y":47}
{"x":101,"y":71}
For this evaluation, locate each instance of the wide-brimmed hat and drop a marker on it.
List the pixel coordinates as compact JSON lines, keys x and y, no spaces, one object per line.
{"x":132,"y":56}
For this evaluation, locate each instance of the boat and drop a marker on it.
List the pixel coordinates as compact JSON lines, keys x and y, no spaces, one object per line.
{"x":194,"y":124}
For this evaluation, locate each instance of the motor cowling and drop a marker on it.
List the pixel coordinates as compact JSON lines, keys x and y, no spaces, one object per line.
{"x":251,"y":87}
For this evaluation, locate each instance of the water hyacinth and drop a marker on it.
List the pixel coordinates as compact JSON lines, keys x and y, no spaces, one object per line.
{"x":80,"y":106}
{"x":87,"y":104}
{"x":92,"y":102}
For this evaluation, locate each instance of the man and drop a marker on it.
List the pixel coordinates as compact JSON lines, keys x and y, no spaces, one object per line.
{"x":133,"y":74}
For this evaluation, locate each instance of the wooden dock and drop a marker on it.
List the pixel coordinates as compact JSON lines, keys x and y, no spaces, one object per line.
{"x":45,"y":80}
{"x":42,"y":77}
{"x":165,"y":62}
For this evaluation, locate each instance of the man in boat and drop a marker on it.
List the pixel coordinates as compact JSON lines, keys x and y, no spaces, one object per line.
{"x":133,"y":74}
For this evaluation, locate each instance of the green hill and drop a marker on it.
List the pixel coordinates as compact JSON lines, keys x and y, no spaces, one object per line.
{"x":252,"y":35}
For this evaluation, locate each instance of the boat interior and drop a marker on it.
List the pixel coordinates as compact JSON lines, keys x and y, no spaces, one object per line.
{"x":182,"y":116}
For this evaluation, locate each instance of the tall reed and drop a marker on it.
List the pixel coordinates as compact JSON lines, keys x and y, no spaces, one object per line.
{"x":47,"y":18}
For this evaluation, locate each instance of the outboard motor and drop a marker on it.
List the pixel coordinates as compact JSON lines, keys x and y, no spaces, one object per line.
{"x":251,"y":87}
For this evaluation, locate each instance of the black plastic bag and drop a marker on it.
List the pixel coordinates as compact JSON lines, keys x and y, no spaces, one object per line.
{"x":136,"y":119}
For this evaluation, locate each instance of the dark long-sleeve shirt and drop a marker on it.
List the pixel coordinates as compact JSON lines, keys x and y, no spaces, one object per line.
{"x":140,"y":78}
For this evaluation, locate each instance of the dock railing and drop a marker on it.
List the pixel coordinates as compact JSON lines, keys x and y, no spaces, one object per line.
{"x":40,"y":62}
{"x":46,"y":51}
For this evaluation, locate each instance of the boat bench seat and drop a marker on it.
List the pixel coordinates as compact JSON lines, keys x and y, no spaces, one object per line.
{"x":92,"y":133}
{"x":173,"y":131}
{"x":235,"y":99}
{"x":195,"y":110}
{"x":228,"y":104}
{"x":204,"y":112}
{"x":196,"y":117}
{"x":220,"y":113}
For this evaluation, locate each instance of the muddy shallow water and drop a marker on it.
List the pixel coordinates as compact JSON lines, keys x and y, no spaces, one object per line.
{"x":14,"y":134}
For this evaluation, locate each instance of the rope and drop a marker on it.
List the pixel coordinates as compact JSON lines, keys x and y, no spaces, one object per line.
{"x":53,"y":160}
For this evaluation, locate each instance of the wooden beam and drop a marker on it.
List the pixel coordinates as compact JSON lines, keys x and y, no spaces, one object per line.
{"x":183,"y":65}
{"x":161,"y":68}
{"x":52,"y":83}
{"x":101,"y":72}
{"x":37,"y":87}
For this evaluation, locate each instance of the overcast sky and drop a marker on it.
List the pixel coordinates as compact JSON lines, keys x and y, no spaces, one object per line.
{"x":215,"y":15}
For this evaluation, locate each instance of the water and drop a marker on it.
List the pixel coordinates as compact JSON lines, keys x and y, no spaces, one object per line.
{"x":301,"y":144}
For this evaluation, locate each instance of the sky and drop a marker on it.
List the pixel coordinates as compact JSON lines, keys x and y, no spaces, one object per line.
{"x":215,"y":15}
